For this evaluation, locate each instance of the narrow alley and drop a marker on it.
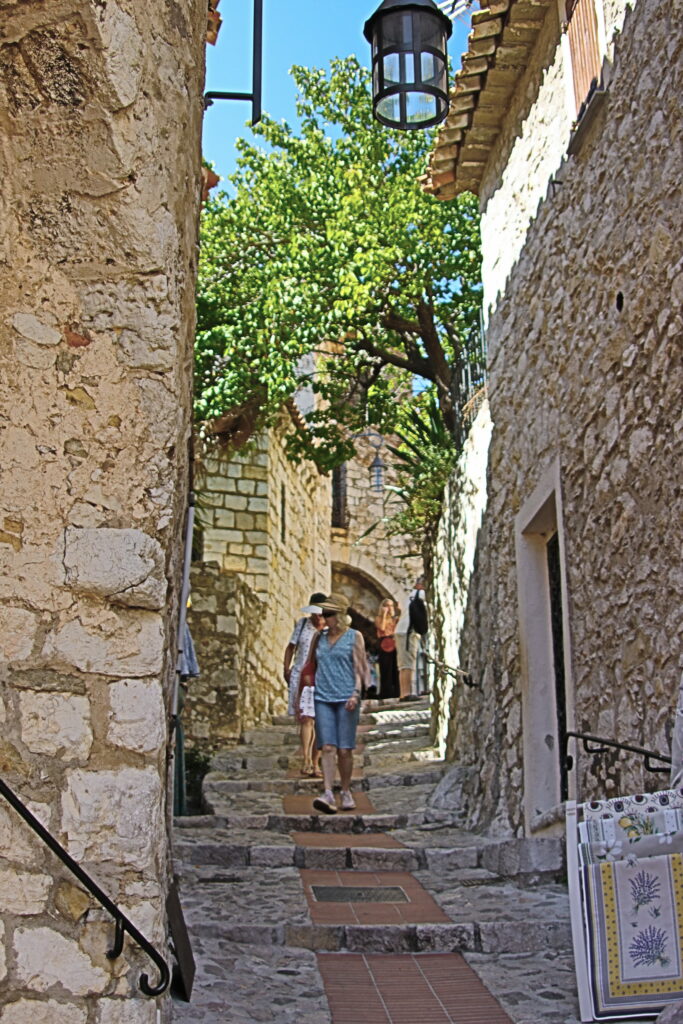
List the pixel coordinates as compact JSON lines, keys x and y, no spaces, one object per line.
{"x":384,"y":914}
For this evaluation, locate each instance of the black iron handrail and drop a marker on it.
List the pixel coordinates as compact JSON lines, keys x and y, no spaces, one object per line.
{"x":121,"y":921}
{"x":605,"y":745}
{"x":459,"y":673}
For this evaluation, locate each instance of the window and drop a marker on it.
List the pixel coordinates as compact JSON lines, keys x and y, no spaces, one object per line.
{"x":340,"y":513}
{"x":584,"y":47}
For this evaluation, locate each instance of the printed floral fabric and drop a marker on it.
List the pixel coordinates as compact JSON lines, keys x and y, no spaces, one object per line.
{"x":638,"y":803}
{"x":634,"y":918}
{"x":643,"y":833}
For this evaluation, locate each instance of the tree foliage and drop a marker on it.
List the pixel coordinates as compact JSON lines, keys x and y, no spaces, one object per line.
{"x":328,"y":246}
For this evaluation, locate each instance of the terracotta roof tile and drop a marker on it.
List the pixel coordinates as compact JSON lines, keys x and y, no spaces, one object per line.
{"x":502,"y":36}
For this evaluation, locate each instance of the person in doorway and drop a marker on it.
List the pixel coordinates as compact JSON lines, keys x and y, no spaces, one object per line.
{"x":408,"y":642}
{"x":340,"y":672}
{"x":295,"y":657}
{"x":385,"y":623}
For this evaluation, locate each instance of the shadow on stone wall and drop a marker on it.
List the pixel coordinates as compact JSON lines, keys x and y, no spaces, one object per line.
{"x":232,"y":692}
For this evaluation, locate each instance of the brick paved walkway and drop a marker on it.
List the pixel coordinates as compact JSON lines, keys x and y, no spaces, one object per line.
{"x":433,"y":930}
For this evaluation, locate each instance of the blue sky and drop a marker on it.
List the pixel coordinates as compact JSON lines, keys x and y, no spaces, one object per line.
{"x":308,"y":32}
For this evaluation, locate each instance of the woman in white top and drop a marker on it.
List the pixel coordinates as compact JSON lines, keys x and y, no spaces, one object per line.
{"x":301,"y":706}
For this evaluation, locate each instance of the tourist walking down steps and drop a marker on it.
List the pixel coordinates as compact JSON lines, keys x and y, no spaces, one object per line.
{"x":340,"y":673}
{"x":301,"y":701}
{"x":410,"y":628}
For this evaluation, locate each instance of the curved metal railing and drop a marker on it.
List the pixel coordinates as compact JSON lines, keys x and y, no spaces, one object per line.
{"x":604,"y":745}
{"x":459,"y":673}
{"x":122,"y":923}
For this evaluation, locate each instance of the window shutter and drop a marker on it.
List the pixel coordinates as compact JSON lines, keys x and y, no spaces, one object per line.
{"x":582,"y":29}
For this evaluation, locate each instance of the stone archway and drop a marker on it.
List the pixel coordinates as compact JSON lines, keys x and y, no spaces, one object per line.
{"x":363,"y":589}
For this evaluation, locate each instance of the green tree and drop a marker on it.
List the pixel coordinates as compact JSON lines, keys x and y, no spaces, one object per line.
{"x":328,"y":246}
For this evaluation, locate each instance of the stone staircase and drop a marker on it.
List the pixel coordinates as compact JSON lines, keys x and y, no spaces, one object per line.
{"x":262,"y":882}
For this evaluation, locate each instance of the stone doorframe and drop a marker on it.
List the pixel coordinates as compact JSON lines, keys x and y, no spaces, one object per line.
{"x":539,"y":518}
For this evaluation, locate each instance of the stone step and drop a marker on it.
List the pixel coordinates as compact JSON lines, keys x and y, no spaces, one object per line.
{"x":221,"y":799}
{"x":208,"y":847}
{"x":274,"y":764}
{"x":251,"y":906}
{"x":271,"y":737}
{"x":526,"y":861}
{"x":417,"y":774}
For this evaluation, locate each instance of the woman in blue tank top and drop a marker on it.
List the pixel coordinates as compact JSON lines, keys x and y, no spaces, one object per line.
{"x":340,"y":670}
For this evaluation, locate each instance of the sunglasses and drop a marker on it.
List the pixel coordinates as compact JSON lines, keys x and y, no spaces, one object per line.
{"x":329,"y":615}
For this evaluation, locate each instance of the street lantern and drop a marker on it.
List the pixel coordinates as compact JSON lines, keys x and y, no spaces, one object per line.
{"x":409,"y":63}
{"x":377,"y":467}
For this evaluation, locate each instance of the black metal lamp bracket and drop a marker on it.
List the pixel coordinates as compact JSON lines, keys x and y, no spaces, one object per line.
{"x":255,"y":96}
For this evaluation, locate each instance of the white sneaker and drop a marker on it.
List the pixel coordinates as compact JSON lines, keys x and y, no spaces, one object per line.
{"x":325,"y":803}
{"x":347,"y":801}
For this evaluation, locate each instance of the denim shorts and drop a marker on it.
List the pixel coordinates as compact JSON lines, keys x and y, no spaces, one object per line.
{"x":334,"y":725}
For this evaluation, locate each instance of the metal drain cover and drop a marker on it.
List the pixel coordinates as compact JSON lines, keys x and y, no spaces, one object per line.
{"x":359,"y":894}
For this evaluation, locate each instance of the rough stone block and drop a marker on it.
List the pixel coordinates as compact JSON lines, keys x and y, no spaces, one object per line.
{"x":323,"y":859}
{"x":113,"y":815}
{"x":234,"y":563}
{"x":255,"y":934}
{"x":316,"y":937}
{"x":137,"y":715}
{"x":23,"y":893}
{"x":380,"y":938}
{"x":33,"y":1011}
{"x":123,"y":644}
{"x":237,"y":503}
{"x":224,"y":854}
{"x":379,"y":859}
{"x":17,"y":841}
{"x":516,"y":857}
{"x":3,"y":955}
{"x":17,"y":633}
{"x":524,"y":936}
{"x":439,"y":859}
{"x":445,"y":938}
{"x":223,"y":519}
{"x":124,"y":566}
{"x":226,"y":624}
{"x":272,"y":856}
{"x":45,"y":958}
{"x":126,"y":1011}
{"x":56,"y":724}
{"x":30,"y":327}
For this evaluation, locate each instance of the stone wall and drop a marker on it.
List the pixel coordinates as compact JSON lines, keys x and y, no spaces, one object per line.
{"x":230,"y":694}
{"x":265,"y":550}
{"x":369,"y":566}
{"x":451,"y":565}
{"x":267,"y":545}
{"x":100,"y":121}
{"x":585,"y":383}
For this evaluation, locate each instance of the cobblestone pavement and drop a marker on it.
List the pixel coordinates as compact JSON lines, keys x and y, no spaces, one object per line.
{"x":499,"y":903}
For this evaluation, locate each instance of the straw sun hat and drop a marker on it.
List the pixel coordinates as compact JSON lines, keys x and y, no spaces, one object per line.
{"x":335,"y":603}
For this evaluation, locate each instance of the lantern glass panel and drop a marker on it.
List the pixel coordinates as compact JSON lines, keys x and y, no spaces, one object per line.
{"x":433,"y":71}
{"x":397,"y":31}
{"x":421,"y":106}
{"x":430,"y":32}
{"x":390,"y":108}
{"x":392,"y":69}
